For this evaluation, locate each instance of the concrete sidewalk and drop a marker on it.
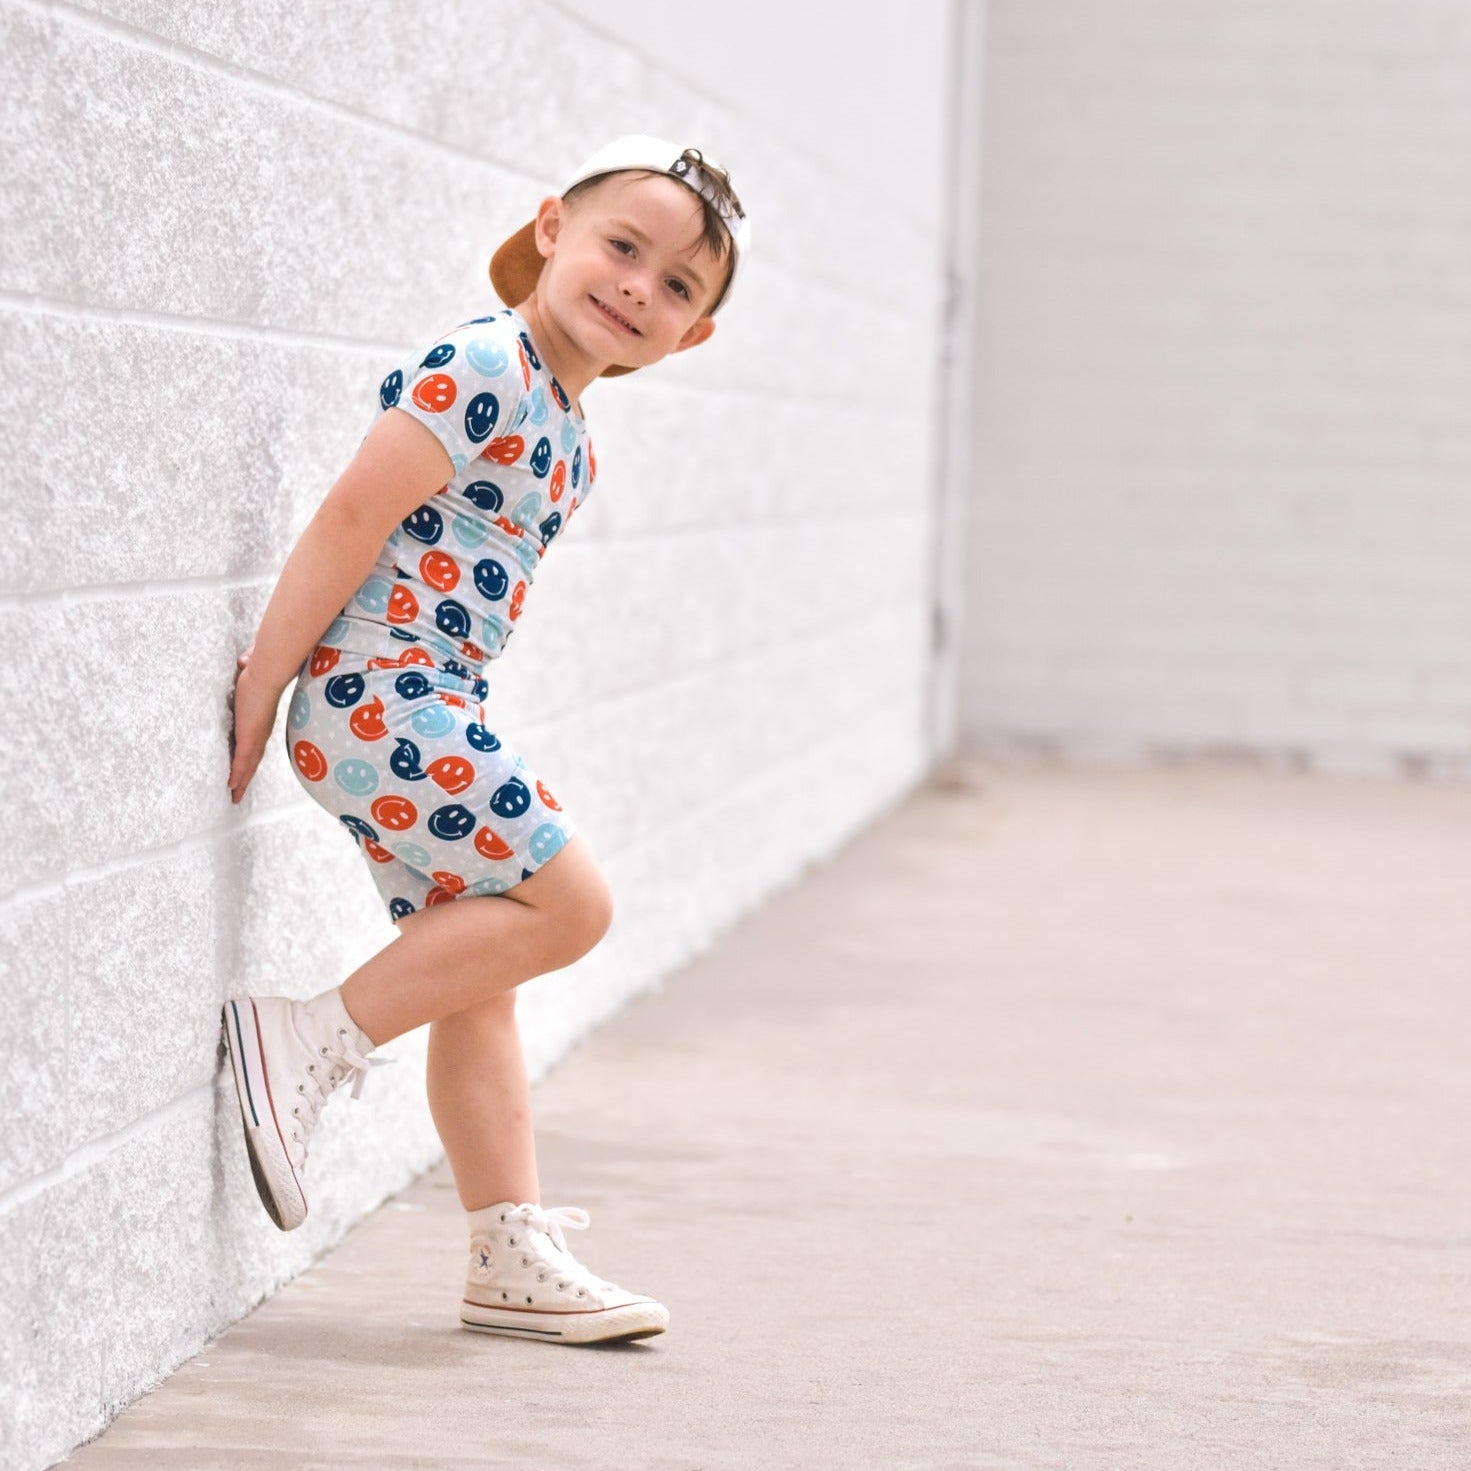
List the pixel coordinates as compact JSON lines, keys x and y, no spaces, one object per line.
{"x":1070,"y":1118}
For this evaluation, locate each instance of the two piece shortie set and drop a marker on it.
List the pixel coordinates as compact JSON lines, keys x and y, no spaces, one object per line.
{"x":386,"y":727}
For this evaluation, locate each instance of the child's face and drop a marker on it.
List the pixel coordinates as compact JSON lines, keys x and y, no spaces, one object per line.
{"x":633,"y":245}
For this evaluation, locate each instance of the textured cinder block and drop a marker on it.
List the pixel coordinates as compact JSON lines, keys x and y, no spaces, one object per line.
{"x":47,"y":735}
{"x":197,"y":455}
{"x":39,"y":1080}
{"x":143,"y":944}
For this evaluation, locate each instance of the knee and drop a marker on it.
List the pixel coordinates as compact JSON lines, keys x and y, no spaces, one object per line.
{"x":584,"y":917}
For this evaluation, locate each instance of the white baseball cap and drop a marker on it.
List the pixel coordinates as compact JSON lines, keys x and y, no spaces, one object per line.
{"x":516,"y":265}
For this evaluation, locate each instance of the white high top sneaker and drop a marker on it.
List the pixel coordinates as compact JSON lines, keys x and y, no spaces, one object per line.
{"x":524,"y":1282}
{"x":289,"y":1057}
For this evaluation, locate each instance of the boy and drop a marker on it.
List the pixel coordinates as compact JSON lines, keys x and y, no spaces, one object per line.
{"x":488,"y":884}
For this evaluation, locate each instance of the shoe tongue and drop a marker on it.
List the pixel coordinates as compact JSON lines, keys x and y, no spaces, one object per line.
{"x":545,"y":1242}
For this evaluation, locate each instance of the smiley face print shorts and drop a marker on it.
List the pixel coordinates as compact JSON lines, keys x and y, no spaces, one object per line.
{"x":399,"y":753}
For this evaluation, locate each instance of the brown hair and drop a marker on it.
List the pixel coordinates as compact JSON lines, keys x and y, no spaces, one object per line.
{"x":715,"y":233}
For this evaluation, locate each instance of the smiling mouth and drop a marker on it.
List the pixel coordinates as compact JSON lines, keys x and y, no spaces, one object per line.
{"x":613,"y":316}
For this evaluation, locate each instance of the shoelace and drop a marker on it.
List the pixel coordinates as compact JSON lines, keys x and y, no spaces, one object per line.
{"x":346,"y":1062}
{"x":549,"y":1220}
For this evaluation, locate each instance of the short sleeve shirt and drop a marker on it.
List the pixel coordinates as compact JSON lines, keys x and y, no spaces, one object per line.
{"x":455,"y":573}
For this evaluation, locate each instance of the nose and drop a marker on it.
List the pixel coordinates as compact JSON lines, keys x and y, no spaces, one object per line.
{"x":635,"y":288}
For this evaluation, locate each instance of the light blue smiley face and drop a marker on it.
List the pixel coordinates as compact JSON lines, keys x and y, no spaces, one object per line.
{"x":490,"y":886}
{"x":468,"y":531}
{"x":433,"y":721}
{"x":337,"y":631}
{"x":300,"y":711}
{"x":487,"y":357}
{"x":526,"y":556}
{"x":412,"y":854}
{"x":545,"y":841}
{"x":569,"y":436}
{"x":373,"y":595}
{"x":356,"y":777}
{"x":540,"y":408}
{"x":527,"y":509}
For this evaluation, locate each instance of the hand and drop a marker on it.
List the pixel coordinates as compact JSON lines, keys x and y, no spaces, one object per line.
{"x":255,"y":718}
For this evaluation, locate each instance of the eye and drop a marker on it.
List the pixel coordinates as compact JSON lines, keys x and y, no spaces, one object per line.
{"x":683,"y":289}
{"x":617,"y":243}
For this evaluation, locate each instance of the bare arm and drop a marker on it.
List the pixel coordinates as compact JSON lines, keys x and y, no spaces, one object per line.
{"x":398,"y":467}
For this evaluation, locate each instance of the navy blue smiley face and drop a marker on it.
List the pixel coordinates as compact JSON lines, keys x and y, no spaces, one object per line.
{"x":481,"y":414}
{"x":452,"y":618}
{"x":491,"y":579}
{"x":480,"y":739}
{"x":407,"y":763}
{"x":560,"y":394}
{"x":344,"y":690}
{"x":411,"y":685}
{"x":530,"y":350}
{"x":577,"y":467}
{"x":550,"y":527}
{"x":510,"y":799}
{"x":485,"y":495}
{"x":438,"y":355}
{"x":541,"y":457}
{"x":358,"y":828}
{"x":452,"y":822}
{"x":425,"y":524}
{"x":391,"y":388}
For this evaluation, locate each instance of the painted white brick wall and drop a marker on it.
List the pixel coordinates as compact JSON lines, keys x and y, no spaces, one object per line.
{"x":222,"y":224}
{"x":1220,"y":437}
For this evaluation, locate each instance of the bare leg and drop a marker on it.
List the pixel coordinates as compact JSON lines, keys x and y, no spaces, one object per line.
{"x":481,"y":1103}
{"x":453,"y":956}
{"x":456,"y":966}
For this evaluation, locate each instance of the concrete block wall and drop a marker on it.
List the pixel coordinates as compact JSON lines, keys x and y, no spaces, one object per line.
{"x":223,"y":224}
{"x":1220,"y":445}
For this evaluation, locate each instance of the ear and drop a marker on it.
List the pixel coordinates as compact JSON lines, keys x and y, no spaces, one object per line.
{"x":550,"y":214}
{"x":698,"y":332}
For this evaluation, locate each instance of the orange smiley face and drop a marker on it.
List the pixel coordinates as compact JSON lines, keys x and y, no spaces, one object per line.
{"x":490,"y":845}
{"x":366,"y":721}
{"x":403,"y":606}
{"x":517,"y":598}
{"x":324,"y":657}
{"x":395,"y":813}
{"x":453,"y":773}
{"x":440,"y":571}
{"x":435,"y":393}
{"x":504,"y":451}
{"x":309,"y":760}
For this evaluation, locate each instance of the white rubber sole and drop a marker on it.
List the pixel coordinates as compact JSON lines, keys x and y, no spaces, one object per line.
{"x":275,"y":1180}
{"x":636,"y":1320}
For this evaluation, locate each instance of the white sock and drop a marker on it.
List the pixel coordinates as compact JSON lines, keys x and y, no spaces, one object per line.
{"x":330,"y":1006}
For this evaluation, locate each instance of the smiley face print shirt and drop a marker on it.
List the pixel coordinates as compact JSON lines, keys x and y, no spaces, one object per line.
{"x":454,"y":575}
